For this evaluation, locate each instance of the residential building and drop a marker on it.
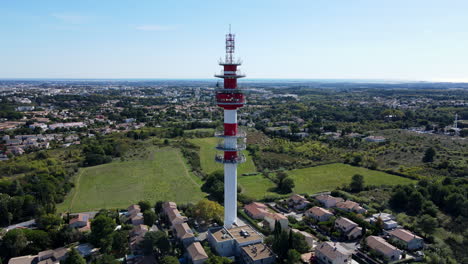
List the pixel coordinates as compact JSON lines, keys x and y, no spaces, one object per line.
{"x":298,"y":202}
{"x":387,"y":219}
{"x":328,"y":200}
{"x":350,"y":206}
{"x":410,"y":240}
{"x":196,"y":253}
{"x":332,"y":253}
{"x":256,"y":210}
{"x":383,"y":247}
{"x":310,"y":239}
{"x":257,"y":254}
{"x":318,"y":213}
{"x":173,"y":214}
{"x":81,"y":221}
{"x":348,"y":227}
{"x":272,"y":218}
{"x":184,"y":233}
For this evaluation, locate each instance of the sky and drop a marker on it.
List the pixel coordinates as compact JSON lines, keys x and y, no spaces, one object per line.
{"x":420,"y":40}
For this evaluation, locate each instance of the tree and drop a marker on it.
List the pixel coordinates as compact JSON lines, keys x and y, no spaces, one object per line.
{"x":169,"y":260}
{"x":298,"y":242}
{"x":415,"y":202}
{"x":74,"y":258}
{"x":105,"y":259}
{"x":357,"y":183}
{"x":101,"y":228}
{"x":293,"y":257}
{"x":157,"y":242}
{"x":15,"y":242}
{"x":427,"y":224}
{"x":207,"y":210}
{"x":429,"y":155}
{"x":149,"y":217}
{"x":288,"y":185}
{"x":218,"y":260}
{"x":120,"y":242}
{"x":144,"y":205}
{"x":399,"y":199}
{"x":49,"y":222}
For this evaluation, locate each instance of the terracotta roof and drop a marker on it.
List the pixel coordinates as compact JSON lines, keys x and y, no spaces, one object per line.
{"x":333,"y":250}
{"x":350,"y":205}
{"x":256,"y":209}
{"x":404,"y":235}
{"x":380,"y":244}
{"x":328,"y":198}
{"x":183,"y":231}
{"x":134,"y":207}
{"x":355,"y":231}
{"x":276,"y":216}
{"x":345,"y":222}
{"x":196,"y":251}
{"x":297,"y":198}
{"x":169,"y":205}
{"x":22,"y":260}
{"x":319,"y":211}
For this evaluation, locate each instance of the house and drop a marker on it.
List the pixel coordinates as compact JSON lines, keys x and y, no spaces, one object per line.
{"x":318,"y":213}
{"x":348,"y":227}
{"x":173,"y":214}
{"x":137,"y":219}
{"x":256,"y":210}
{"x":44,"y":257}
{"x":196,"y":253}
{"x":81,"y":222}
{"x":310,"y":239}
{"x":22,"y":260}
{"x":257,"y":254}
{"x":298,"y":202}
{"x":387,"y":219}
{"x":410,"y":240}
{"x":137,"y":235}
{"x":184,"y":233}
{"x":332,"y":253}
{"x":385,"y":249}
{"x":350,"y":206}
{"x":328,"y":200}
{"x":272,"y":218}
{"x":133,"y":209}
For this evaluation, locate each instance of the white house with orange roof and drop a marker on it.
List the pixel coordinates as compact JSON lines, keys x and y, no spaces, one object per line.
{"x":410,"y":240}
{"x":272,"y":218}
{"x":318,"y":213}
{"x":332,"y":253}
{"x":297,"y":201}
{"x":383,"y":247}
{"x":256,"y":210}
{"x":328,"y":200}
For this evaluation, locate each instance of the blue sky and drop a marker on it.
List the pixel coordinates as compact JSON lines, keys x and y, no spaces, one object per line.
{"x":362,"y":39}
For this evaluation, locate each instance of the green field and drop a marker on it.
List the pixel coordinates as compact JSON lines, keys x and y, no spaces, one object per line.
{"x":208,"y":152}
{"x":256,"y":186}
{"x":328,"y":177}
{"x":162,"y":174}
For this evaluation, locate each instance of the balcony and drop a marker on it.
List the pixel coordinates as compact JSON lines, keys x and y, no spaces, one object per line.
{"x":223,"y":62}
{"x":240,"y":134}
{"x":238,"y":159}
{"x":231,"y":75}
{"x":222,"y":147}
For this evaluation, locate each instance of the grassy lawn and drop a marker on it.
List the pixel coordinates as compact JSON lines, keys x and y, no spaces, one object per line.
{"x":208,"y":152}
{"x":256,"y":186}
{"x":161,"y":174}
{"x":328,"y":177}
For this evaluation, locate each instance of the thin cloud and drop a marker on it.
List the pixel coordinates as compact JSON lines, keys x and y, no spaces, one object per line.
{"x":70,"y":18}
{"x":154,"y":28}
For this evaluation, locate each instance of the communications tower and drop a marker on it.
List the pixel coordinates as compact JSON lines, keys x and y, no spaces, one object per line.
{"x":230,"y":98}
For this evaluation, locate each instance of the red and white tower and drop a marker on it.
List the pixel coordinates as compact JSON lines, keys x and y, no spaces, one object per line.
{"x":230,"y":98}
